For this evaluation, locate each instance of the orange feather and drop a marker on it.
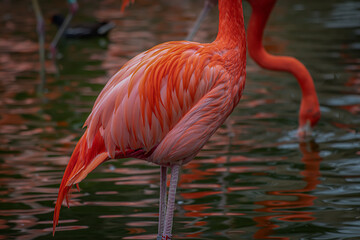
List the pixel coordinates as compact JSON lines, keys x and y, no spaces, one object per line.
{"x":76,"y":169}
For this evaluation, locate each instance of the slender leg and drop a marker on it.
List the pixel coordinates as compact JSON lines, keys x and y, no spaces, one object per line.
{"x":162,"y":203}
{"x":73,"y":9}
{"x":208,"y":5}
{"x":59,"y":34}
{"x":41,"y":34}
{"x":171,"y":202}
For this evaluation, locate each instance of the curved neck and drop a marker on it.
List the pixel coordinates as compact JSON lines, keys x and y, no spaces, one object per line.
{"x":231,"y":23}
{"x":261,"y":10}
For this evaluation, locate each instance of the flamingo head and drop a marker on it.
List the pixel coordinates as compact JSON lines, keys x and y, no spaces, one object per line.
{"x":309,"y":116}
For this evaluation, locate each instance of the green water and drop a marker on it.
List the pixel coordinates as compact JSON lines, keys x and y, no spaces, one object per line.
{"x":262,"y":183}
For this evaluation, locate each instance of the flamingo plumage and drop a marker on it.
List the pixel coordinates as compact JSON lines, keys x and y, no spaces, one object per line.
{"x":162,"y":106}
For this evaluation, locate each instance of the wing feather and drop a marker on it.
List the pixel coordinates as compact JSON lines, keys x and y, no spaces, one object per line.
{"x":190,"y":134}
{"x":150,"y":95}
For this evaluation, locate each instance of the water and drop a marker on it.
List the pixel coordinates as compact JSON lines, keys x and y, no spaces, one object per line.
{"x":262,"y":183}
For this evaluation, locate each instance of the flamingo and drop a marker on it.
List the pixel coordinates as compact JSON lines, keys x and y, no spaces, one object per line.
{"x":162,"y":106}
{"x":309,"y":113}
{"x":309,"y":109}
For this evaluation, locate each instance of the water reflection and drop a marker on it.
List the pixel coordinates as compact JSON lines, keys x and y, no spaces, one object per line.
{"x":291,"y":210}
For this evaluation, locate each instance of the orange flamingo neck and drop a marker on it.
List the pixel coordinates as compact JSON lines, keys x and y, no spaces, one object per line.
{"x":261,"y":9}
{"x":231,"y":23}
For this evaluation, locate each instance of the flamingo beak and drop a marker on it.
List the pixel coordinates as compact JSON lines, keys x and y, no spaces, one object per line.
{"x":305,"y":130}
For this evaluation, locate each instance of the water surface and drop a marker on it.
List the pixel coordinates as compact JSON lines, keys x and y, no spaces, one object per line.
{"x":253,"y":181}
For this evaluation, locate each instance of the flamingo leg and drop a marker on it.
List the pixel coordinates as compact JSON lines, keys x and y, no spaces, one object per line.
{"x":41,"y":34}
{"x":208,"y":5}
{"x":162,"y":202}
{"x":73,"y":9}
{"x":171,"y":203}
{"x":59,"y":34}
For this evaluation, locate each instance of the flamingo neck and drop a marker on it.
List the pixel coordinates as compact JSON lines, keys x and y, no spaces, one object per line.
{"x":231,"y":23}
{"x":261,"y":10}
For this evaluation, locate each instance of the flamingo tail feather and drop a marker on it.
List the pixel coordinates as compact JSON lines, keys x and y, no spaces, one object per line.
{"x":83,"y":160}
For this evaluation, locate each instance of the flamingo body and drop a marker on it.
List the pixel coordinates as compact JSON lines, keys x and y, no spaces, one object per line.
{"x":155,"y":102}
{"x":164,"y":104}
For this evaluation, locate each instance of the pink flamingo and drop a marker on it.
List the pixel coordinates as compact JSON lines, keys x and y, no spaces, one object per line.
{"x":309,"y":109}
{"x":163,"y":106}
